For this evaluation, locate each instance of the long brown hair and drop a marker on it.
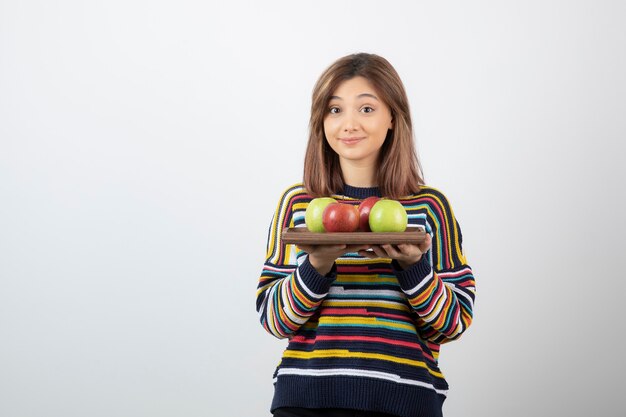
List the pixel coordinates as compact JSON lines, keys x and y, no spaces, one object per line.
{"x":399,"y":170}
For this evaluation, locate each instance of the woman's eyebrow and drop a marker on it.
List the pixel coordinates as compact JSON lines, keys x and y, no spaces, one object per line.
{"x":359,"y":96}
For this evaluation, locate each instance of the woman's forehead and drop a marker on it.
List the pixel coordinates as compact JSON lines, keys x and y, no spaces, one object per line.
{"x":356,"y":87}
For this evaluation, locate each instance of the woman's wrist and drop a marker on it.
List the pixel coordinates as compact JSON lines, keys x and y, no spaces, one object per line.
{"x":408,"y":264}
{"x":321,"y":266}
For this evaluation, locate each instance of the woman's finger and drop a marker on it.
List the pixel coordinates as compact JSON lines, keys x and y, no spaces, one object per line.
{"x":379,"y":251}
{"x":391,"y":251}
{"x":368,"y":254}
{"x":425,"y":245}
{"x":407,"y":249}
{"x":356,"y":248}
{"x":306,"y":248}
{"x":322,"y":248}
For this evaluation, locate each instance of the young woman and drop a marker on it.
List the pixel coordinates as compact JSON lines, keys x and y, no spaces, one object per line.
{"x":364,"y":323}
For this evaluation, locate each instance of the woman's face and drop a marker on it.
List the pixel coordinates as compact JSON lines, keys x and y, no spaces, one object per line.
{"x":357,"y":121}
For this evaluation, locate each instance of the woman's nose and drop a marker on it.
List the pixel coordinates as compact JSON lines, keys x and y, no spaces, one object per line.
{"x":350,"y":123}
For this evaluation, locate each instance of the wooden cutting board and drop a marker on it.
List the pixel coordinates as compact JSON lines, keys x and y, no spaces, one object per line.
{"x":300,"y":235}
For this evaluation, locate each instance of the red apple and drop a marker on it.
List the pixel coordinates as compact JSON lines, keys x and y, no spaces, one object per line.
{"x":364,"y":213}
{"x":340,"y":217}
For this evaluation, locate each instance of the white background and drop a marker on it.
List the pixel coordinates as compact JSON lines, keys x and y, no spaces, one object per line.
{"x":144,"y":144}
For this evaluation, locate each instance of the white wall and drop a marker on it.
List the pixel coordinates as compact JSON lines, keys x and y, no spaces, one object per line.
{"x":143,"y":145}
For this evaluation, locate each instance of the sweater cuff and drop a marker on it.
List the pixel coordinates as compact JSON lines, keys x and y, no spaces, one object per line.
{"x":316,"y":282}
{"x":411,"y":277}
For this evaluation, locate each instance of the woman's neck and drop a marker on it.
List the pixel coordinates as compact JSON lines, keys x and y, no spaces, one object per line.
{"x":358,"y":175}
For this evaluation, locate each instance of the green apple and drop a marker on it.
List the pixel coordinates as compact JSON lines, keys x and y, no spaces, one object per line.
{"x":314,"y":213}
{"x":388,"y":216}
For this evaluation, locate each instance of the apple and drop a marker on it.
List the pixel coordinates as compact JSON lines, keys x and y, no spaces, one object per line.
{"x":314,"y":212}
{"x":388,"y":215}
{"x":364,"y":213}
{"x":340,"y":217}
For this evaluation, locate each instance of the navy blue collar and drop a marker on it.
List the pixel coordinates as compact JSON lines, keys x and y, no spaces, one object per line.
{"x":360,"y":192}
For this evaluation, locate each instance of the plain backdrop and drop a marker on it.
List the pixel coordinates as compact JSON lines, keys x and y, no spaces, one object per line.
{"x":144,"y":145}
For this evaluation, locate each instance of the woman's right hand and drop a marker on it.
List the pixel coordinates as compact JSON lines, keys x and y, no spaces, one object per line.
{"x":322,"y":257}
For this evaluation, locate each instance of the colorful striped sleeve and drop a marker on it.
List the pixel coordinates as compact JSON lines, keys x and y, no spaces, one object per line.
{"x":441,"y":286}
{"x":289,"y":289}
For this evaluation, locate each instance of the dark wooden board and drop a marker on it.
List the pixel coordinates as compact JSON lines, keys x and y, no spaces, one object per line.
{"x":300,"y":235}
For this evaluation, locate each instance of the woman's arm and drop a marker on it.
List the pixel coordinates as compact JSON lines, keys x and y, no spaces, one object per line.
{"x":289,"y":289}
{"x":287,"y":296}
{"x":440,"y":286}
{"x":443,"y":300}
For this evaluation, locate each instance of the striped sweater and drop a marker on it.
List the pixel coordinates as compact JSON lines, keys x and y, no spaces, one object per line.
{"x":367,"y":335}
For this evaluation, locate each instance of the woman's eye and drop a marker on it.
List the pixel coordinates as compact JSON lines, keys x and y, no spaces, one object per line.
{"x":333,"y":110}
{"x":367,"y":109}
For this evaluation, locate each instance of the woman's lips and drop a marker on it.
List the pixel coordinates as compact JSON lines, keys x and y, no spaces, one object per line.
{"x":350,"y":141}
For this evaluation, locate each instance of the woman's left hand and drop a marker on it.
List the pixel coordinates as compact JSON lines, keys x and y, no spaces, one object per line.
{"x":406,"y":254}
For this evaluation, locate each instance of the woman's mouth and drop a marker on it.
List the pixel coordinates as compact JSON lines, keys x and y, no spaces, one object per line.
{"x":351,"y":140}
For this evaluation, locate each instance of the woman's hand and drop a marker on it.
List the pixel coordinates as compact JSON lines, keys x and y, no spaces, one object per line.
{"x":406,"y":254}
{"x":322,"y":257}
